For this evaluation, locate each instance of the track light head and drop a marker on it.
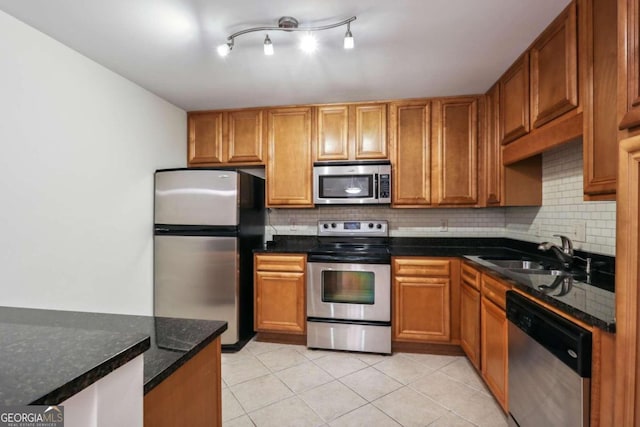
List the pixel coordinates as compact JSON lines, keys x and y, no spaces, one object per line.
{"x":268,"y":46}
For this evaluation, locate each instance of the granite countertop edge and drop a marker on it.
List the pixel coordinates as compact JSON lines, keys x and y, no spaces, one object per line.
{"x":158,"y":378}
{"x":567,"y":309}
{"x":81,"y":382}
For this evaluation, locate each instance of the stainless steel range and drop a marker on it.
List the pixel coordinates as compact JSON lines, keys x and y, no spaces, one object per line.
{"x":349,"y":287}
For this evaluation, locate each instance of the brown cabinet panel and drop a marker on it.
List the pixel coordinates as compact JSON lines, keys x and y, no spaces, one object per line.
{"x":495,"y":290}
{"x":492,"y":149}
{"x":455,"y":151}
{"x":421,"y":309}
{"x":205,"y":139}
{"x":280,"y":302}
{"x":494,"y":350}
{"x":191,"y":396}
{"x":333,"y":136}
{"x":470,"y":323}
{"x":600,"y":136}
{"x":371,"y":131}
{"x":514,"y":101}
{"x":418,"y":266}
{"x":289,"y":136}
{"x":470,"y":276}
{"x":629,"y":63}
{"x":410,"y":125}
{"x":244,"y":134}
{"x":554,"y":73}
{"x":290,"y":263}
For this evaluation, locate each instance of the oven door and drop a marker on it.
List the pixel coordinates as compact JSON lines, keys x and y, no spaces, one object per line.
{"x":342,"y":291}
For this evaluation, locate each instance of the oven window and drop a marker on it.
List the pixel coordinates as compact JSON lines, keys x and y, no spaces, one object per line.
{"x":346,"y":186}
{"x":350,"y":287}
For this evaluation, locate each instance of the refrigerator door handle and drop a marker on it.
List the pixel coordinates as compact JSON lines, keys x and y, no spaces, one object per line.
{"x":161,"y":229}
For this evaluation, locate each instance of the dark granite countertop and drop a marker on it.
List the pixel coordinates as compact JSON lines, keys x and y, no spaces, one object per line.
{"x":47,"y":356}
{"x":591,"y":299}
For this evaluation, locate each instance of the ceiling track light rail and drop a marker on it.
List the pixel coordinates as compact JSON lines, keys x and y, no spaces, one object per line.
{"x":287,"y":23}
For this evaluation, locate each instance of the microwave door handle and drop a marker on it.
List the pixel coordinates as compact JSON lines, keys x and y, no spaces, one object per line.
{"x":375,"y":186}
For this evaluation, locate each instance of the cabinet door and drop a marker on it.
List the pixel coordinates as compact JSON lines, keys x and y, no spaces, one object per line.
{"x":629,"y":63}
{"x":494,"y":350}
{"x":470,"y":323}
{"x":244,"y":131}
{"x":455,"y":151}
{"x":514,"y":101}
{"x":333,"y":133}
{"x":600,"y":123}
{"x":554,"y":70}
{"x":280,"y":302}
{"x":410,"y":126}
{"x":289,"y":163}
{"x":493,"y":168}
{"x":205,"y":139}
{"x":370,"y":131}
{"x":421,"y":309}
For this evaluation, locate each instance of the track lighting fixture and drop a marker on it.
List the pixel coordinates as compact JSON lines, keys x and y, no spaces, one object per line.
{"x":287,"y":23}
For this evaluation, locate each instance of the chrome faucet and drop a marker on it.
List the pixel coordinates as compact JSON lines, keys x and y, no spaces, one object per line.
{"x":564,"y":254}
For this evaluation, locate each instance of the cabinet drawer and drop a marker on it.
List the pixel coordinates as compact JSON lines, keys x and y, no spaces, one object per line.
{"x":295,"y":262}
{"x":494,"y":290}
{"x":421,"y":267}
{"x":470,"y":276}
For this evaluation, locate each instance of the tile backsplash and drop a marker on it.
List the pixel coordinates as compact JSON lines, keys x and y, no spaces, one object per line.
{"x":563,"y":212}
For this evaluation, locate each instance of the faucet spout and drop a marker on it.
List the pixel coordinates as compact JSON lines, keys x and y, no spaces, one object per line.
{"x":564,"y":253}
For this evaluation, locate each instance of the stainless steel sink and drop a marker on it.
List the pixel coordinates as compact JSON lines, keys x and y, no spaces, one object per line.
{"x":537,"y":271}
{"x":516,"y":264}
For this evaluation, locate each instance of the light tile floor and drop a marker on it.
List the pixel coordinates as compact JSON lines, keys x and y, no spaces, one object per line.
{"x":268,"y":384}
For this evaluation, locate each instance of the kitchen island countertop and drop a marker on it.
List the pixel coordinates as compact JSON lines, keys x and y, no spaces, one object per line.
{"x":47,"y":356}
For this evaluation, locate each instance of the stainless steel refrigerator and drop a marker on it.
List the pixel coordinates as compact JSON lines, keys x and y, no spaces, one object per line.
{"x":207,"y":223}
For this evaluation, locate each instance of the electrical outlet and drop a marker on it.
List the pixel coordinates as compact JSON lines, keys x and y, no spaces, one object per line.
{"x":580,"y":231}
{"x":292,"y":223}
{"x":444,"y":224}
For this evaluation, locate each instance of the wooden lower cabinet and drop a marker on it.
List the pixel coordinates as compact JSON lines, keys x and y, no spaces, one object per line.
{"x":494,"y":350}
{"x":279,"y":293}
{"x":191,"y":396}
{"x":493,"y":338}
{"x":470,"y":314}
{"x":425,"y":300}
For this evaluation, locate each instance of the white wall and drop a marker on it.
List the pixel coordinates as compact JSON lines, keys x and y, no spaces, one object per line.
{"x":79,"y":147}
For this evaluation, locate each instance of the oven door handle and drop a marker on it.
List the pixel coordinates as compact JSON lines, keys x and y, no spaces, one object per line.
{"x":361,"y":259}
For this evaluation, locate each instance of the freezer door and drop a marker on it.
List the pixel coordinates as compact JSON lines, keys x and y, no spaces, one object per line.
{"x":196,"y":197}
{"x":196,"y":278}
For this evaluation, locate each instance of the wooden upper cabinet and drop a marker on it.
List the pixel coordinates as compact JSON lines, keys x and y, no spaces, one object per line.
{"x":218,"y":138}
{"x":455,"y":151}
{"x":493,"y":169}
{"x":351,"y":132}
{"x":410,"y":141}
{"x":289,"y":136}
{"x":244,"y":135}
{"x":600,"y":125}
{"x":370,"y":131}
{"x":514,"y":101}
{"x":629,"y":63}
{"x":554,"y":72}
{"x":333,"y":133}
{"x":205,"y":138}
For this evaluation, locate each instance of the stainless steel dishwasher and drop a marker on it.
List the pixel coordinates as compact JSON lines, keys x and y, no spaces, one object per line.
{"x":549,"y":367}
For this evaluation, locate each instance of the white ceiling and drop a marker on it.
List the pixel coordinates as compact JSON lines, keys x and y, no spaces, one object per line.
{"x":404,"y":48}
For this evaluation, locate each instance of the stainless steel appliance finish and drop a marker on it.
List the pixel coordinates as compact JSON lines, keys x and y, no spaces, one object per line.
{"x":207,"y":222}
{"x":349,"y":287}
{"x":352,"y":182}
{"x":363,"y":291}
{"x":549,"y":367}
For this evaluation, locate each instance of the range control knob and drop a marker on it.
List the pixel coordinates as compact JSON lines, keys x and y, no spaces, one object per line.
{"x":370,"y":225}
{"x":325,"y":225}
{"x":333,"y":225}
{"x":379,"y":226}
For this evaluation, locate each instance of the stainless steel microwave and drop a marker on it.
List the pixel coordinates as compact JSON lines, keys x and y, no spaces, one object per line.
{"x":352,"y":182}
